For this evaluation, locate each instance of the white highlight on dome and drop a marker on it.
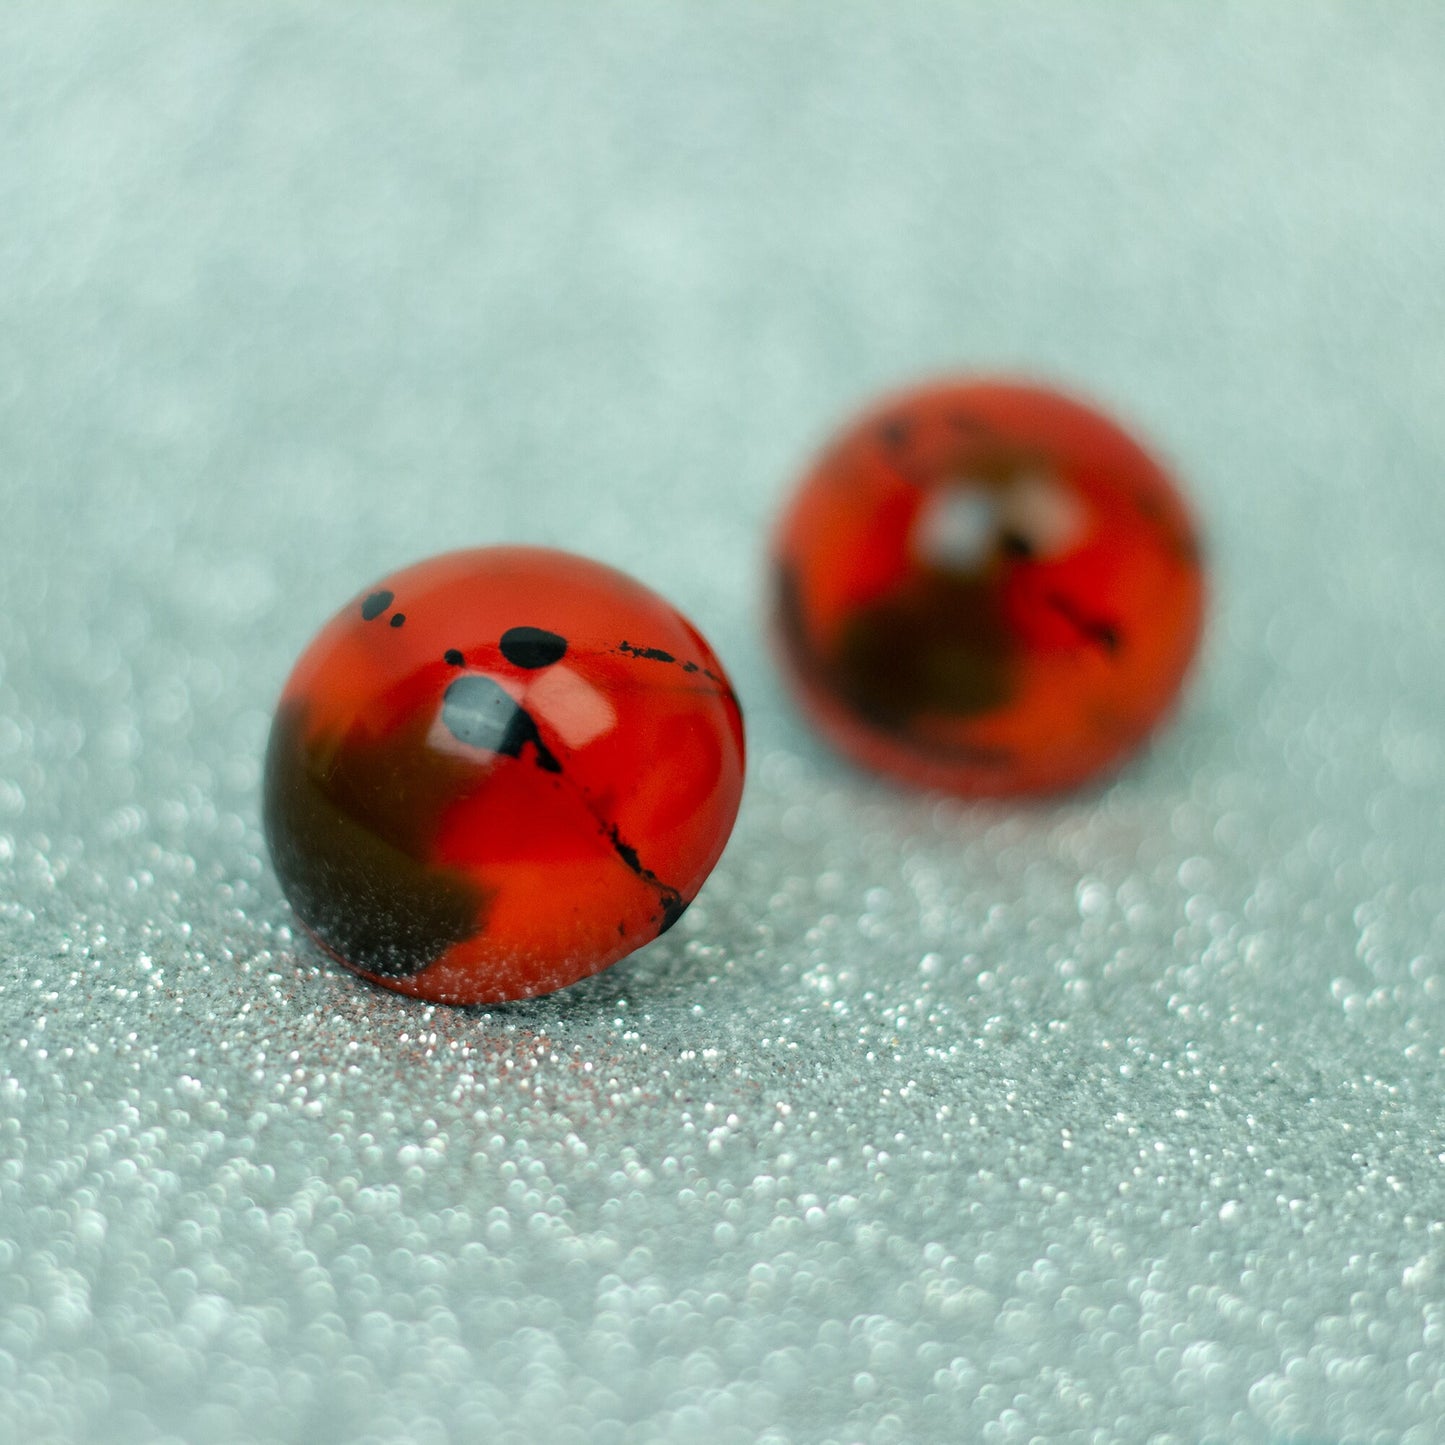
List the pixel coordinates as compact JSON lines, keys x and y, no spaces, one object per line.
{"x":957,"y":528}
{"x":567,"y":702}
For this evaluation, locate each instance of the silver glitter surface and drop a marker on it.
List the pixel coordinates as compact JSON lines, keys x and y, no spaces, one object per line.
{"x":1117,"y":1118}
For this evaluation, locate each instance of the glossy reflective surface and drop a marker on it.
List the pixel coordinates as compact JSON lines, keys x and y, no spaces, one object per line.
{"x":499,"y":771}
{"x":988,"y":588}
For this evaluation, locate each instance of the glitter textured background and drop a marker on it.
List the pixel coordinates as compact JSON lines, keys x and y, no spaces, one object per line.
{"x":1114,"y":1119}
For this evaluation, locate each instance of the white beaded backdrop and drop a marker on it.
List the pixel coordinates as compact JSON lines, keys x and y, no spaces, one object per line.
{"x":1116,"y":1117}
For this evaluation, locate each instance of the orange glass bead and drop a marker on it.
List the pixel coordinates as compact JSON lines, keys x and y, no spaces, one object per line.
{"x":987,"y":588}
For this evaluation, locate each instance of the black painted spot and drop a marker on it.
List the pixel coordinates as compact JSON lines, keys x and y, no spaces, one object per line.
{"x":648,"y":654}
{"x":672,"y":909}
{"x":1016,"y":545}
{"x":895,"y":432}
{"x":453,"y":658}
{"x":532,"y":647}
{"x":398,"y":619}
{"x":673,"y":903}
{"x":481,"y":713}
{"x":656,"y":654}
{"x":626,"y":851}
{"x":376,"y":604}
{"x":1103,"y":634}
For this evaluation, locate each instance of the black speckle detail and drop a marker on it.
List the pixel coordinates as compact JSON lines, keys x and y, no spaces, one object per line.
{"x":376,"y":604}
{"x":656,"y":654}
{"x":453,"y":658}
{"x":532,"y":647}
{"x":673,"y":903}
{"x":398,"y":619}
{"x":895,"y":433}
{"x":672,"y":910}
{"x":481,"y":713}
{"x":1104,"y":635}
{"x":648,"y":654}
{"x":1016,"y":545}
{"x":625,"y":851}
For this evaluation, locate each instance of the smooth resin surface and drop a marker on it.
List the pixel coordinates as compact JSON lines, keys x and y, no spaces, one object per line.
{"x":987,"y":587}
{"x":499,"y":771}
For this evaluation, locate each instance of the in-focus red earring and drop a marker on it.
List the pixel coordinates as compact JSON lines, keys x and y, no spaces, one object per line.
{"x":499,"y":771}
